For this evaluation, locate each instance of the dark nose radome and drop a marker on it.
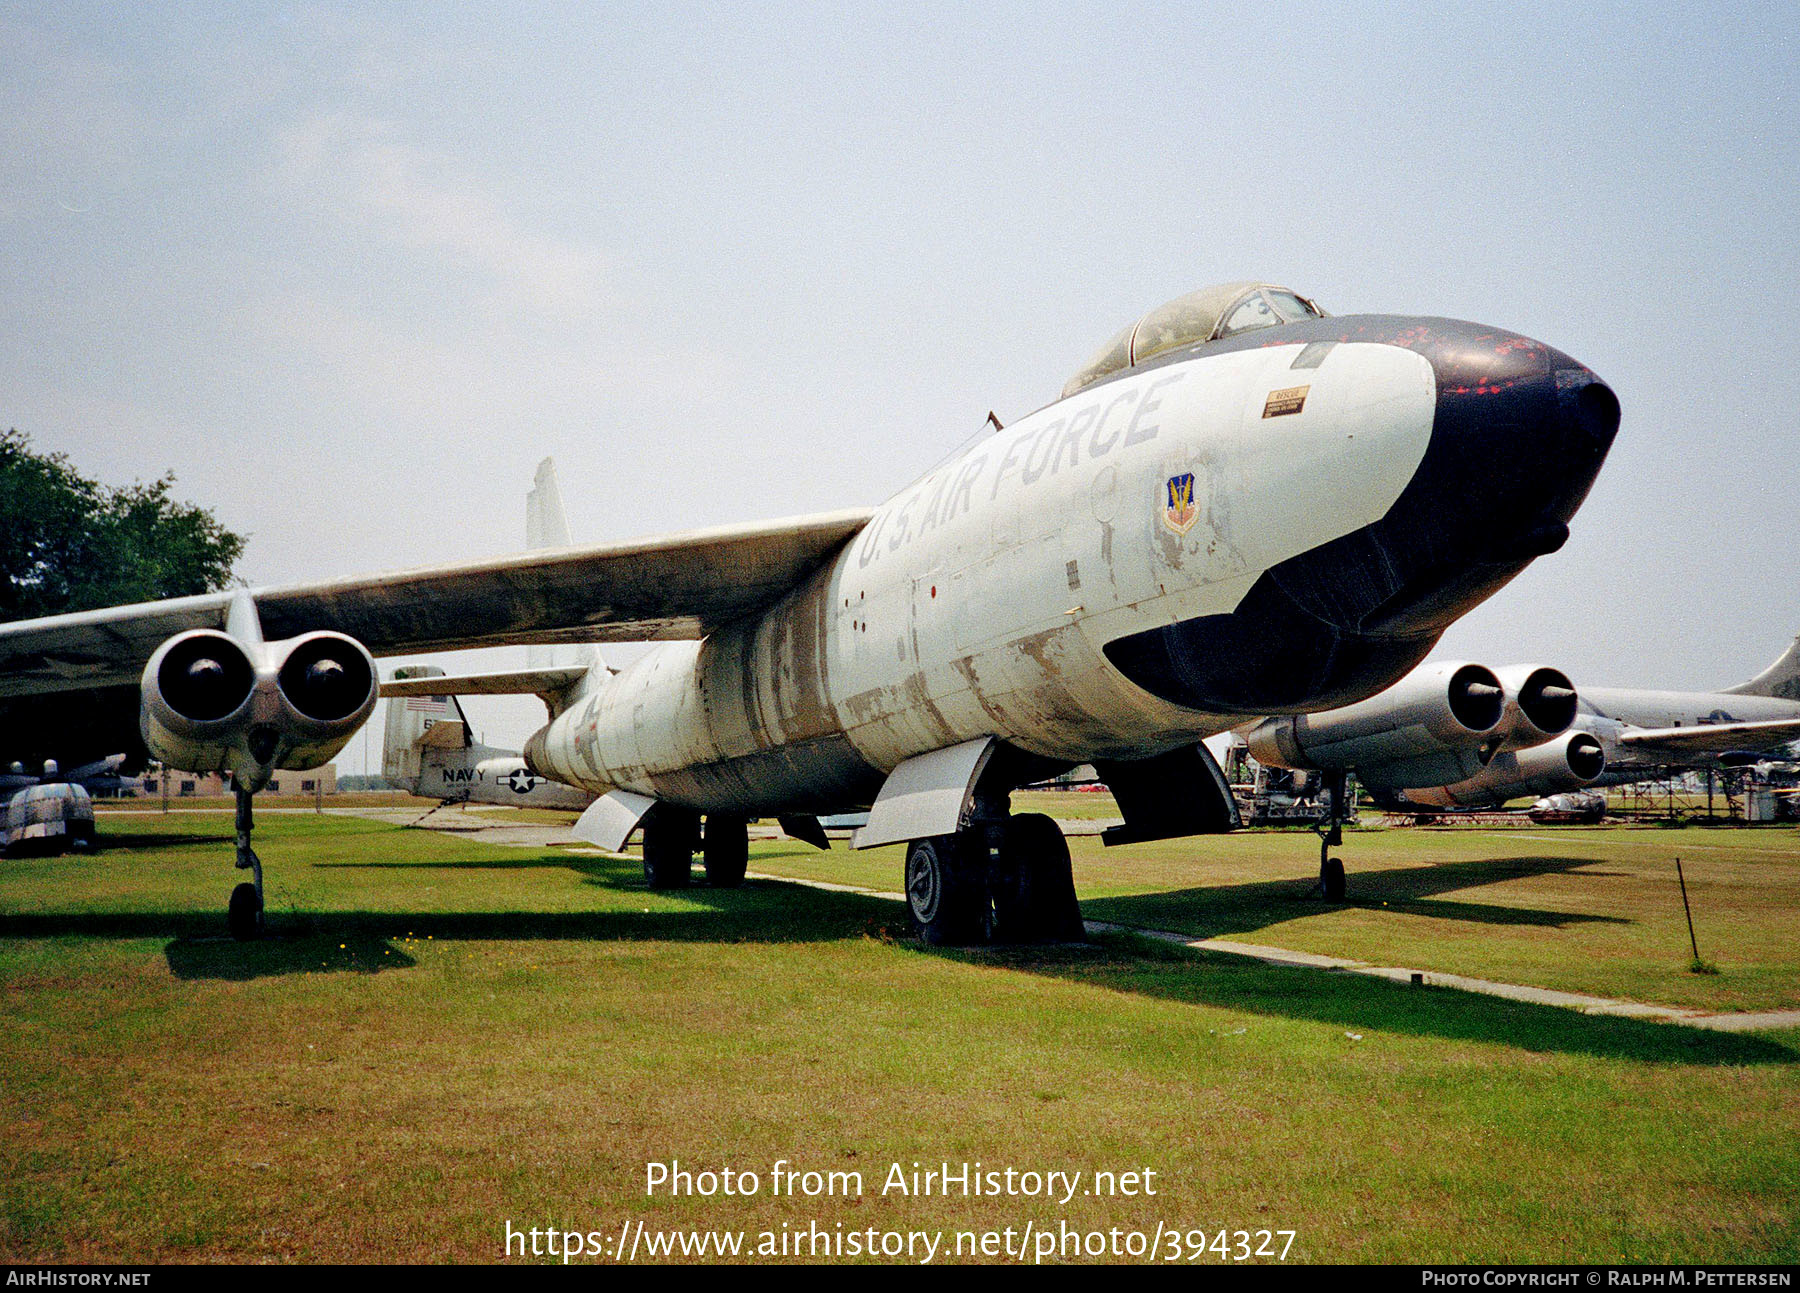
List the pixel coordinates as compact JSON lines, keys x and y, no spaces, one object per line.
{"x":1518,"y":435}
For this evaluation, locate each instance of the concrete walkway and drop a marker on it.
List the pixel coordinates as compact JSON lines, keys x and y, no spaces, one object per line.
{"x":1737,"y":1022}
{"x":1587,"y":1005}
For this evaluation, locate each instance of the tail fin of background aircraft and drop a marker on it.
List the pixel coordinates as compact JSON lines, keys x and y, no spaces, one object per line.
{"x":1780,"y":679}
{"x":409,"y":721}
{"x":546,"y":526}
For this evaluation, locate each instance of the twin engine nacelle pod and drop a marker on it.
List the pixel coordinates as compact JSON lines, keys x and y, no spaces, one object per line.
{"x":1428,"y":728}
{"x":1568,"y":762}
{"x":211,"y":702}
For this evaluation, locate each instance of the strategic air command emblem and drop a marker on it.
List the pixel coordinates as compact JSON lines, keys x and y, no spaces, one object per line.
{"x":1179,"y":511}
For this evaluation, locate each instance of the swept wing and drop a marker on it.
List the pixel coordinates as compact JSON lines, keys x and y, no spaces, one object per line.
{"x":1674,"y":744}
{"x":674,"y":586}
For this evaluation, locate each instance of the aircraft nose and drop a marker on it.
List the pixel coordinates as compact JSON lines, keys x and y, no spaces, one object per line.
{"x":1519,"y":435}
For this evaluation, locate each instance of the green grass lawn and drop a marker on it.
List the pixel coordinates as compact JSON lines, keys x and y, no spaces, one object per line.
{"x":444,"y":1035}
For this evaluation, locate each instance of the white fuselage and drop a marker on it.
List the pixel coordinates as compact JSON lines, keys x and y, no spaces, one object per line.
{"x":1611,"y":712}
{"x":977,"y":601}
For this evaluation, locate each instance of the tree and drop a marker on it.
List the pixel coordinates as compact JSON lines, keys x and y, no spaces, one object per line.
{"x":68,"y":543}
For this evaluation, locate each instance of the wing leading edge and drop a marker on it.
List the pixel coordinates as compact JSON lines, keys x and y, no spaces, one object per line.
{"x":672,"y":586}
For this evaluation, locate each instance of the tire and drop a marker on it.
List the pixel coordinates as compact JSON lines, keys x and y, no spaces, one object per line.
{"x":946,"y":892}
{"x":244,"y":917}
{"x":726,"y":849}
{"x":669,"y":851}
{"x":1331,"y":879}
{"x":1034,"y":893}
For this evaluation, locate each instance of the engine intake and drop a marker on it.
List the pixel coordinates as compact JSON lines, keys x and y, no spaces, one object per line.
{"x":1540,"y":703}
{"x":205,"y":676}
{"x":1426,"y":729}
{"x":212,"y":702}
{"x":326,"y":677}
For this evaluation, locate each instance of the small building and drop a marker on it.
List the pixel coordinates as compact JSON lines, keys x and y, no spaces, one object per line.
{"x":196,"y":785}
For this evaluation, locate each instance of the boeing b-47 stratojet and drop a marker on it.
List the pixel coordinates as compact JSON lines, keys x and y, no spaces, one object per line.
{"x":1240,"y":507}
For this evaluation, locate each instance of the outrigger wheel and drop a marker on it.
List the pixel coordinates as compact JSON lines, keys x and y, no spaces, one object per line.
{"x":244,"y":916}
{"x":1331,"y":878}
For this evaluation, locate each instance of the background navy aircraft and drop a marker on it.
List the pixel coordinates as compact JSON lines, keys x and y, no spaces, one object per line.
{"x":1457,"y":735}
{"x":428,"y":746}
{"x":1240,"y":507}
{"x":429,"y":749}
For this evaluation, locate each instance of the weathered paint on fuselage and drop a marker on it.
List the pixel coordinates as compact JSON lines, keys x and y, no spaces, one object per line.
{"x":979,"y":601}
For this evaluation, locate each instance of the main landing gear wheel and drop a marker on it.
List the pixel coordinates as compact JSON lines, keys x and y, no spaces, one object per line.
{"x":1034,"y":889}
{"x":669,"y":839}
{"x":244,"y":916}
{"x":946,"y":891}
{"x":726,"y":849}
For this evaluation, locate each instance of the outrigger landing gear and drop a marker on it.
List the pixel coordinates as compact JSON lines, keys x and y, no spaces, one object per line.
{"x":1004,"y":879}
{"x":1330,"y":828}
{"x":244,"y":917}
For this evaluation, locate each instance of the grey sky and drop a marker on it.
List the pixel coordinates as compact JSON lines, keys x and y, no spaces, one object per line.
{"x":350,"y":271}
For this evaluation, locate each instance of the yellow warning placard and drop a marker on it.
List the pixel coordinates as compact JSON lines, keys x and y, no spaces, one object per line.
{"x":1281,"y":403}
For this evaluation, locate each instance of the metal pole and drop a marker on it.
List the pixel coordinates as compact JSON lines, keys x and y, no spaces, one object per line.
{"x":1692,"y":942}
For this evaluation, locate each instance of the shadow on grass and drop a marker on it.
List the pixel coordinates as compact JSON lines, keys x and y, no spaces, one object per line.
{"x":364,"y":941}
{"x":284,"y":952}
{"x":373,"y":941}
{"x":1215,"y":910}
{"x":173,"y":839}
{"x":609,"y":871}
{"x":624,"y":872}
{"x":1146,"y":967}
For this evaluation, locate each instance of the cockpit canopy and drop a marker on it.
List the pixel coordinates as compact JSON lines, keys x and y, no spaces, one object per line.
{"x":1205,"y":315}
